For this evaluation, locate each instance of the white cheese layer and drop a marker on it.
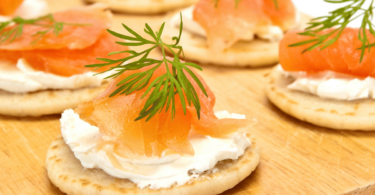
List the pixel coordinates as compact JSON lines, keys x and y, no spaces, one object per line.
{"x":332,"y":85}
{"x":22,"y":78}
{"x":153,"y":172}
{"x":271,"y":33}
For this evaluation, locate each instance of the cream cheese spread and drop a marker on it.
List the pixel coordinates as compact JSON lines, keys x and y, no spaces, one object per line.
{"x":332,"y":85}
{"x":152,"y":172}
{"x":271,"y":33}
{"x":22,"y":78}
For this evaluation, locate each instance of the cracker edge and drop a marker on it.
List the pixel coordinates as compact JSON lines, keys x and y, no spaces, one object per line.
{"x":284,"y":101}
{"x":221,"y":183}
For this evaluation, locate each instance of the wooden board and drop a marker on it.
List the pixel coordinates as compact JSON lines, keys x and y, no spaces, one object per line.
{"x":297,"y":158}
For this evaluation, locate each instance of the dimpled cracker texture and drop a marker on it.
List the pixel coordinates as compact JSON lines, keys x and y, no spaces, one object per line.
{"x":67,"y":173}
{"x":47,"y":101}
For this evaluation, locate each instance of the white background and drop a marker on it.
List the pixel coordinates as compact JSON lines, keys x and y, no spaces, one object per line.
{"x":317,"y":8}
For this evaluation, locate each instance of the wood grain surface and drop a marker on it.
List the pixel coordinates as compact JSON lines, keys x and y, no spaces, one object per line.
{"x":297,"y":158}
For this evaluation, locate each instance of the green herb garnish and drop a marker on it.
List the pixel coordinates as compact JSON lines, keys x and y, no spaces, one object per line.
{"x":16,"y":27}
{"x":164,"y":88}
{"x":276,"y":4}
{"x":339,"y":19}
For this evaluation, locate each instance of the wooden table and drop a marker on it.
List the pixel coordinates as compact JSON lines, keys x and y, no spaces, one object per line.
{"x":297,"y":158}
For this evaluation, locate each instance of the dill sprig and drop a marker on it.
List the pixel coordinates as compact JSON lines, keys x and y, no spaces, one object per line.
{"x":164,"y":88}
{"x":17,"y":24}
{"x":339,"y":20}
{"x":276,"y":4}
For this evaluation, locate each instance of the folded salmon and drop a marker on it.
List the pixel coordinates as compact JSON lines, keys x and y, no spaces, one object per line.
{"x":115,"y":116}
{"x":342,"y":57}
{"x":226,"y":23}
{"x":82,"y":40}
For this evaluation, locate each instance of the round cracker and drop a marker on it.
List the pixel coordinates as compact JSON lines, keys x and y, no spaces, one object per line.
{"x":144,"y":6}
{"x":47,"y":101}
{"x":334,"y":114}
{"x":255,"y":53}
{"x":67,"y":173}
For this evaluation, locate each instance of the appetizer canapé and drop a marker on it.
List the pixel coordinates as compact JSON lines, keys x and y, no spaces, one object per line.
{"x":326,"y":76}
{"x":153,"y":131}
{"x":331,"y":87}
{"x":231,"y":34}
{"x":43,"y":59}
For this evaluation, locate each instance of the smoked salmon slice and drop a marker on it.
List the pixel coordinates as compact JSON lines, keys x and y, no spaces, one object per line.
{"x":67,"y":62}
{"x":343,"y":56}
{"x":8,"y":7}
{"x":115,"y":116}
{"x":94,"y":20}
{"x":226,"y":23}
{"x":75,"y":47}
{"x":283,"y":14}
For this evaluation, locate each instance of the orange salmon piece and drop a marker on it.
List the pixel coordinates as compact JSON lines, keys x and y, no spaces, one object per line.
{"x":115,"y":118}
{"x":75,"y":47}
{"x":343,"y":56}
{"x":72,"y":37}
{"x":226,"y":24}
{"x":283,"y":16}
{"x":66,"y":62}
{"x":8,"y":7}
